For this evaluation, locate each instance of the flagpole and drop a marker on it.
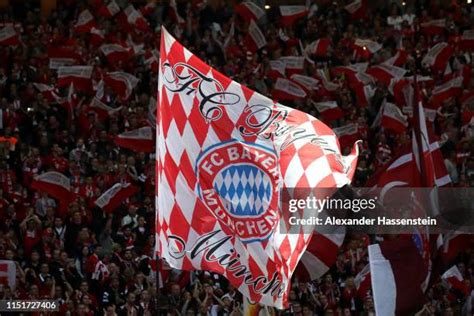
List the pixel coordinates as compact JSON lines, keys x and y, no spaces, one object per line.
{"x":416,"y":110}
{"x":157,"y":279}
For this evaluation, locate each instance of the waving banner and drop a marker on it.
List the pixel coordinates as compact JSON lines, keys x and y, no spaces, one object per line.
{"x":224,"y":152}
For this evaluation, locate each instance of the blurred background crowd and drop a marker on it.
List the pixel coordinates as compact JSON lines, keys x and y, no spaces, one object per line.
{"x":97,"y":263}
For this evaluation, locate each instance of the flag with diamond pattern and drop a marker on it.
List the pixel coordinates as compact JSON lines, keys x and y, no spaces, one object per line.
{"x":224,"y":153}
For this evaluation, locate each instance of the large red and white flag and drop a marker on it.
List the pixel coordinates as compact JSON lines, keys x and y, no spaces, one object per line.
{"x":115,"y":195}
{"x":398,"y":287}
{"x":79,"y":76}
{"x":8,"y":273}
{"x":139,"y":140}
{"x":438,"y":56}
{"x":9,"y":36}
{"x":54,"y":183}
{"x":121,"y":82}
{"x":357,"y":9}
{"x":291,"y":13}
{"x":403,"y":168}
{"x":85,"y":22}
{"x":109,"y":10}
{"x":220,"y":166}
{"x":255,"y":39}
{"x":115,"y":52}
{"x":249,"y":11}
{"x":329,"y":110}
{"x":285,"y":89}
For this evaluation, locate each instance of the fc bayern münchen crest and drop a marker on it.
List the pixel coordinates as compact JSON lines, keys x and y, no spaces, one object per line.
{"x":238,"y":183}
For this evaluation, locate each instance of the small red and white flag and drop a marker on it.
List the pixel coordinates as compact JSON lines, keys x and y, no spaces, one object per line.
{"x":255,"y":39}
{"x":139,"y":140}
{"x":9,"y":36}
{"x":399,"y":59}
{"x":430,"y":114}
{"x":174,"y":13}
{"x":384,"y":73}
{"x":103,"y":110}
{"x":249,"y":11}
{"x":452,"y":244}
{"x":392,"y":118}
{"x":121,"y":82}
{"x":49,"y":92}
{"x":364,"y":94}
{"x":276,"y":69}
{"x":357,"y":9}
{"x":135,"y":19}
{"x":79,"y":76}
{"x":148,"y":9}
{"x":402,"y":92}
{"x":364,"y":48}
{"x":109,"y":10}
{"x":455,"y":280}
{"x":115,"y":52}
{"x":448,"y":90}
{"x":438,"y":56}
{"x":347,"y":134}
{"x":306,"y":82}
{"x":467,"y":40}
{"x":349,"y":69}
{"x":319,"y":47}
{"x":291,"y":13}
{"x":85,"y":22}
{"x":54,"y":183}
{"x":8,"y":273}
{"x":285,"y":89}
{"x":152,"y":59}
{"x":293,"y":64}
{"x":69,"y":52}
{"x":328,"y":110}
{"x":115,"y":195}
{"x":362,"y":282}
{"x":56,"y":63}
{"x":434,"y":27}
{"x":97,"y":36}
{"x":320,"y":255}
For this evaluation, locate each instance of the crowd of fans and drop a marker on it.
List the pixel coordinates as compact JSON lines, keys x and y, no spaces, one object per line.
{"x":96,"y":263}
